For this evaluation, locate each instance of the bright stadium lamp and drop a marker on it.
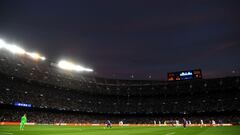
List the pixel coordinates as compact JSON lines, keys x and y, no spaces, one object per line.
{"x":15,"y":49}
{"x":63,"y":64}
{"x":18,"y":50}
{"x":2,"y":44}
{"x":80,"y":68}
{"x":11,"y":47}
{"x":35,"y":56}
{"x":43,"y":58}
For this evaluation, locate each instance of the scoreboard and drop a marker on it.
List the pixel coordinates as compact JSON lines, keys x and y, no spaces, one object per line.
{"x":185,"y":75}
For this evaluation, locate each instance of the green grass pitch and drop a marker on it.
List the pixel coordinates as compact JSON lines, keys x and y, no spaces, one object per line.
{"x":72,"y":130}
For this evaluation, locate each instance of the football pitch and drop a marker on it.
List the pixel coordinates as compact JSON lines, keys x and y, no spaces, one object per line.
{"x":72,"y":130}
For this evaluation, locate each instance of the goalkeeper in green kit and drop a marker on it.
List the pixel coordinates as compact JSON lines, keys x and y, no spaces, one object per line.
{"x":23,"y":121}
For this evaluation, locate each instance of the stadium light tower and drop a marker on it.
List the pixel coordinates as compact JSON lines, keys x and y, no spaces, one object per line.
{"x":66,"y":65}
{"x":18,"y":50}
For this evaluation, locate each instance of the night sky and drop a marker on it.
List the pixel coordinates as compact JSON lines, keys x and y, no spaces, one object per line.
{"x":124,"y":37}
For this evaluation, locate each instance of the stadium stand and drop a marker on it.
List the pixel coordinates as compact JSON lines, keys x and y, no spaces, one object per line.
{"x":63,"y":96}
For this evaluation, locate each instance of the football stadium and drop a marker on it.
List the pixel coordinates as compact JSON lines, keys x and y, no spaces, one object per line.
{"x":58,"y":100}
{"x":120,"y":92}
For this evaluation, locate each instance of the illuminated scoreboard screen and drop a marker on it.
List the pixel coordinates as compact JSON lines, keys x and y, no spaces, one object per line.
{"x":185,"y":75}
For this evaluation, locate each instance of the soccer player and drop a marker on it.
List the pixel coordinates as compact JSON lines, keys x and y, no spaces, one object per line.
{"x":121,"y":123}
{"x":201,"y":123}
{"x":177,"y":122}
{"x":189,"y":122}
{"x":213,"y":123}
{"x":23,"y":121}
{"x":109,"y":124}
{"x":154,"y":122}
{"x":184,"y":122}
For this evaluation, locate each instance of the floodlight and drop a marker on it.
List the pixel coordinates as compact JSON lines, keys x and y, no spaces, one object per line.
{"x":18,"y":50}
{"x":35,"y":56}
{"x":63,"y":64}
{"x":2,"y":44}
{"x":15,"y":49}
{"x":11,"y":47}
{"x":80,"y":68}
{"x":66,"y":65}
{"x":43,"y":58}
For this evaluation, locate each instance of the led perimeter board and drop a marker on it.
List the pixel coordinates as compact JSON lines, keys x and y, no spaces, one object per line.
{"x":185,"y":75}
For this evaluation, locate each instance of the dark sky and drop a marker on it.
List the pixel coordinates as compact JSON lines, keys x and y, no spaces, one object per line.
{"x":124,"y":37}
